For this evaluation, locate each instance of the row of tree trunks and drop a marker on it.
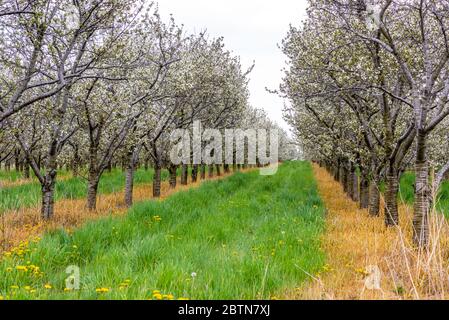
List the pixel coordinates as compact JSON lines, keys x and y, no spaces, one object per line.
{"x":359,"y":189}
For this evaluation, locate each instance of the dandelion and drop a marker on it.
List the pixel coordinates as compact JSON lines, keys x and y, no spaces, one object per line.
{"x":183,"y":298}
{"x":124,"y":284}
{"x":362,"y":271}
{"x":22,"y":268}
{"x":102,"y":290}
{"x":157,"y":296}
{"x":47,"y":286}
{"x":27,"y":288}
{"x":170,"y":297}
{"x":67,"y":289}
{"x":36,"y":239}
{"x":193,"y":274}
{"x":157,"y":218}
{"x":9,"y":269}
{"x":14,"y":287}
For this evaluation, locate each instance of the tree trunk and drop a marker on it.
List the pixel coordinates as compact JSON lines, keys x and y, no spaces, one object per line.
{"x":157,"y":181}
{"x":194,"y":173}
{"x":184,"y":174}
{"x":203,"y":171}
{"x":226,"y":168}
{"x":172,"y":175}
{"x":344,"y":178}
{"x":355,"y":186}
{"x":92,"y":190}
{"x":93,"y":179}
{"x":48,"y":195}
{"x":374,"y":199}
{"x":26,"y":171}
{"x":364,"y":191}
{"x":75,"y":168}
{"x":129,"y":185}
{"x":218,"y":168}
{"x":75,"y":162}
{"x":391,"y":198}
{"x":422,"y":204}
{"x":211,"y":170}
{"x":133,"y":156}
{"x":350,"y":183}
{"x":337,"y":172}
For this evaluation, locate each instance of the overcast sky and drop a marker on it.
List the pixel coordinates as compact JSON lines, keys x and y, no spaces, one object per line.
{"x":251,"y":29}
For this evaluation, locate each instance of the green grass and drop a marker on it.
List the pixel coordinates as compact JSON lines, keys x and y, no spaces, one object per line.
{"x":29,"y":194}
{"x":12,"y":175}
{"x":246,"y":236}
{"x":407,"y":192}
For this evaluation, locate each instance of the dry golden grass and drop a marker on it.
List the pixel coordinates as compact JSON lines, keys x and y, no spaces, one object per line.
{"x":18,"y":182}
{"x":6,"y":183}
{"x":356,"y":245}
{"x":20,"y":225}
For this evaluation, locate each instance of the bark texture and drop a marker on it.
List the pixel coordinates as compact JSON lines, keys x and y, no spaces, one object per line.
{"x":391,"y":200}
{"x":374,"y":199}
{"x":364,"y":191}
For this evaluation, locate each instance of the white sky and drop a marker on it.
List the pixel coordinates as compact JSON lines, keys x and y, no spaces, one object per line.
{"x":251,"y":29}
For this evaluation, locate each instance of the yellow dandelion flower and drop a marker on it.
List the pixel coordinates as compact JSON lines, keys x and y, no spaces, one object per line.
{"x":102,"y":290}
{"x":47,"y":286}
{"x":67,"y":289}
{"x":157,"y":296}
{"x":27,"y":288}
{"x":22,"y":268}
{"x":14,"y":287}
{"x":170,"y":297}
{"x":183,"y":298}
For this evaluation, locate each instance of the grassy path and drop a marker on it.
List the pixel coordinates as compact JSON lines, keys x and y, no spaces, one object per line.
{"x":246,"y":236}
